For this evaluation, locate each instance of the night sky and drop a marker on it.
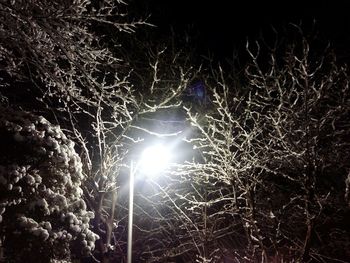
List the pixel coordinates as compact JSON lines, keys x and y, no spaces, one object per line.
{"x":223,"y":25}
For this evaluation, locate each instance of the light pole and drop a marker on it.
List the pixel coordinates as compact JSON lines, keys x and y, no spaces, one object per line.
{"x":131,"y":208}
{"x":153,"y":160}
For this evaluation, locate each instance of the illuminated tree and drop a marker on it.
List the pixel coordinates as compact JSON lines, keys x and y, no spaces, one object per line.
{"x":43,"y":214}
{"x":58,"y":61}
{"x":270,"y":174}
{"x":266,"y":169}
{"x":274,"y":157}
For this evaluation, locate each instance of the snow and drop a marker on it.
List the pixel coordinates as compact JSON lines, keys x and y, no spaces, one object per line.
{"x":45,"y":179}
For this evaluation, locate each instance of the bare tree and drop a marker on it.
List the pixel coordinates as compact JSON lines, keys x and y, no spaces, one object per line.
{"x":269,"y":177}
{"x":301,"y":106}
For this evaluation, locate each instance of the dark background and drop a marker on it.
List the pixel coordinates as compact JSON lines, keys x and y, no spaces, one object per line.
{"x":224,"y":25}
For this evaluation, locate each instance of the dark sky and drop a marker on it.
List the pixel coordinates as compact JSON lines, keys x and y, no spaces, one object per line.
{"x":223,"y":24}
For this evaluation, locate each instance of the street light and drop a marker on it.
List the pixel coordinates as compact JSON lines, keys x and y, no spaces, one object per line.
{"x":153,"y":160}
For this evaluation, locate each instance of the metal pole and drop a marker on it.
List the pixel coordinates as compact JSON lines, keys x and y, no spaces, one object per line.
{"x":206,"y":219}
{"x":131,"y":207}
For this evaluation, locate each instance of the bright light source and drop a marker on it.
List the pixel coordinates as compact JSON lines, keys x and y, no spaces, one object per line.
{"x":154,"y":159}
